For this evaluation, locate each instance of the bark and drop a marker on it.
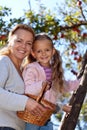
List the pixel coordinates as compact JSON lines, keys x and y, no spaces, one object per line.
{"x":70,"y":120}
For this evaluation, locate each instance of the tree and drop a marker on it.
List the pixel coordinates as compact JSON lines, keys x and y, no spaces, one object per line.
{"x":67,"y":26}
{"x":77,"y":99}
{"x":69,"y":31}
{"x":6,"y":24}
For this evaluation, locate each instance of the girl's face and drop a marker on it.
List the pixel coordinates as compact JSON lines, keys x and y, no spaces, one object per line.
{"x":21,"y":43}
{"x":43,"y":52}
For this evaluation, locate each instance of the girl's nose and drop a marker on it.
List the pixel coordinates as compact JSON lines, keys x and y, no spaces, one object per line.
{"x":43,"y":52}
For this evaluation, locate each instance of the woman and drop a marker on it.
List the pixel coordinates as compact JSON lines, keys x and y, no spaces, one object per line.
{"x":20,"y":42}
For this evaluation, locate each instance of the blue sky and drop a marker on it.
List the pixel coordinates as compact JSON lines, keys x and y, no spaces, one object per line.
{"x":19,"y":6}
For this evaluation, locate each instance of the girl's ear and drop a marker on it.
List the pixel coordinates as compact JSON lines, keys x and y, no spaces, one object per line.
{"x":32,"y":53}
{"x":54,"y":51}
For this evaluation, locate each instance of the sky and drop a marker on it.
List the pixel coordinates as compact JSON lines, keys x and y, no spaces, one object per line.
{"x":19,"y":6}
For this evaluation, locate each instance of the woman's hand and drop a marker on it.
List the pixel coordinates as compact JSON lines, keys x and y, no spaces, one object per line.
{"x":34,"y":107}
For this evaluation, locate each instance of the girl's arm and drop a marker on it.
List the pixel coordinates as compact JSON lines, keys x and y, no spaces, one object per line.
{"x":71,"y":85}
{"x":32,"y":83}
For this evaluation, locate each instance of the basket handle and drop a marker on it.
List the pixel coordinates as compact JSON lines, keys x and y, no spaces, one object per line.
{"x":41,"y":93}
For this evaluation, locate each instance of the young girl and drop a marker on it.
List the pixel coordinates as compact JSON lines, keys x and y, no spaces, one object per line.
{"x":45,"y":67}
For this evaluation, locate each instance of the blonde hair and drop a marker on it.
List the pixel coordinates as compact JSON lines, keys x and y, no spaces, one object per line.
{"x":56,"y":64}
{"x":6,"y":50}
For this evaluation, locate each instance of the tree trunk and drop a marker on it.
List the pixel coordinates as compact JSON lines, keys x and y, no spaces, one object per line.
{"x":70,"y":120}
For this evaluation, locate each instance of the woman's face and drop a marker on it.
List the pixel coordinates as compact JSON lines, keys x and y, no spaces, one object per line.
{"x":21,"y":43}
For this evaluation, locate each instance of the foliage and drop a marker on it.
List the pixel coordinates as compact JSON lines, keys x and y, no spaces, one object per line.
{"x":6,"y":24}
{"x":67,"y":27}
{"x":68,"y":31}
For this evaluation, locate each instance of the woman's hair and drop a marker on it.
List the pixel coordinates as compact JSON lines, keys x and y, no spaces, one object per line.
{"x":6,"y":50}
{"x":56,"y":64}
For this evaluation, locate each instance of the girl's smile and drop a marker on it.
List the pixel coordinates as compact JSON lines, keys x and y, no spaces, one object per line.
{"x":43,"y":51}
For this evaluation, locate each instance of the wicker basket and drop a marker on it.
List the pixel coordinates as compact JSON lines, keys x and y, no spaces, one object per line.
{"x":37,"y":120}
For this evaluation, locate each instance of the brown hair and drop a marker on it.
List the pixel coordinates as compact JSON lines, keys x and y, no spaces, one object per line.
{"x":6,"y":50}
{"x":56,"y":64}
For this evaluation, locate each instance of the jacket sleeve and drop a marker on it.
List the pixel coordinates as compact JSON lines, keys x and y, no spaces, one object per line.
{"x":71,"y":85}
{"x":32,"y":84}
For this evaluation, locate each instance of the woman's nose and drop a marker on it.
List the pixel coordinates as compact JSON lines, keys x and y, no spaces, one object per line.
{"x":24,"y":45}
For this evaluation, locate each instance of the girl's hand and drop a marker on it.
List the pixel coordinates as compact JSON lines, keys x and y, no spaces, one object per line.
{"x":67,"y":108}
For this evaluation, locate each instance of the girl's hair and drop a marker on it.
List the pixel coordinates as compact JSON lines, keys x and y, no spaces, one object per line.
{"x":56,"y":64}
{"x":6,"y":50}
{"x":57,"y":72}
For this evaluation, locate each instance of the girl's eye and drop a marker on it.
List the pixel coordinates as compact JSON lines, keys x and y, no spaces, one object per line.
{"x":38,"y":51}
{"x":47,"y":50}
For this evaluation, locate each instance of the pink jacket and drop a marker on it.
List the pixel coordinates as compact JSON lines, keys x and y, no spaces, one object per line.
{"x":34,"y":75}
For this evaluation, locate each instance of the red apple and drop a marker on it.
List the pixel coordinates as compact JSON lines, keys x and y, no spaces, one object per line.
{"x":79,"y":2}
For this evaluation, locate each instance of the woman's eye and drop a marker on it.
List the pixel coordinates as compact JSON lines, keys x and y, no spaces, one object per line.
{"x":18,"y":41}
{"x":29,"y":43}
